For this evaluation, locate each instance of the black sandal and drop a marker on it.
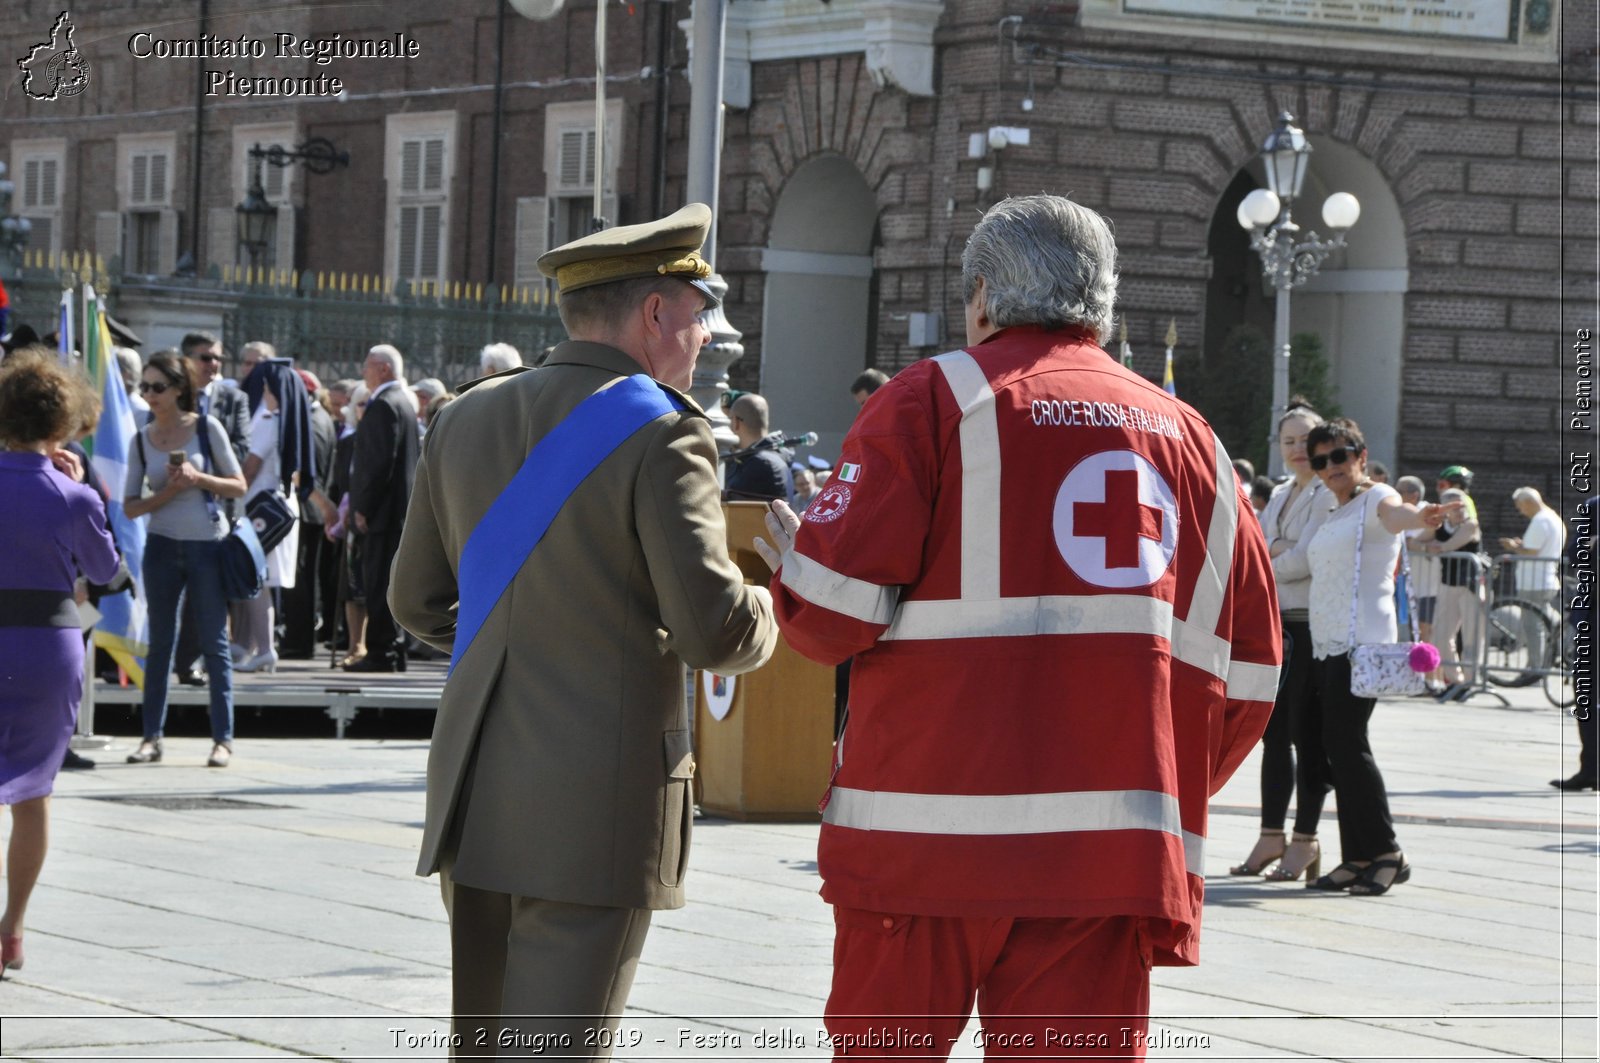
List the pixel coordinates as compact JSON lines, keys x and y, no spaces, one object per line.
{"x":1340,"y":878}
{"x":1370,"y":886}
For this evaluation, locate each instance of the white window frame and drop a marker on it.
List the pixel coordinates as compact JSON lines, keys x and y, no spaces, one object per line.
{"x":130,"y":148}
{"x":398,"y":129}
{"x":276,"y":181}
{"x":40,"y":152}
{"x":578,"y":116}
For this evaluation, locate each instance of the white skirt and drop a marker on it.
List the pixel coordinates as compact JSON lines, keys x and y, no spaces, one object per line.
{"x":284,"y":559}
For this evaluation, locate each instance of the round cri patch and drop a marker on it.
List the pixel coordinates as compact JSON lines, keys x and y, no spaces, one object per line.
{"x":719,"y":691}
{"x":829,"y":505}
{"x":1116,"y":520}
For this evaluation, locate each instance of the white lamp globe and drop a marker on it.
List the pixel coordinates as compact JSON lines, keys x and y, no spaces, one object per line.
{"x":1341,"y":211}
{"x":538,"y":10}
{"x":1259,"y":209}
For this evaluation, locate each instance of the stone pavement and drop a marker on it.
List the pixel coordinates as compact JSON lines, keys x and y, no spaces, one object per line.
{"x":269,"y":911}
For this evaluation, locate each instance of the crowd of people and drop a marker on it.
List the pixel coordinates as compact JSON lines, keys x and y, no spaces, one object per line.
{"x":569,"y":584}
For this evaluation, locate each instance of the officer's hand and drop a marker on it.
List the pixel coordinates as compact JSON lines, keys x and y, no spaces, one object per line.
{"x":781,"y":525}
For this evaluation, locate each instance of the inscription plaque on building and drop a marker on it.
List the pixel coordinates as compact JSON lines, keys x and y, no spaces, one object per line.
{"x":1482,"y":20}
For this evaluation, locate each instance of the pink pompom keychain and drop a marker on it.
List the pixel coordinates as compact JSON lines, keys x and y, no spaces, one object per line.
{"x":1424,"y":658}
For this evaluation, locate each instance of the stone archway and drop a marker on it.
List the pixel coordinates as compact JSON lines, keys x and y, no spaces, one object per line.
{"x":1356,"y":304}
{"x":817,"y":308}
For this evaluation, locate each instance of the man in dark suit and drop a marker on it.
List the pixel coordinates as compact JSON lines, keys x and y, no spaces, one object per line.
{"x":302,"y":608}
{"x":380,"y":487}
{"x":215,"y":397}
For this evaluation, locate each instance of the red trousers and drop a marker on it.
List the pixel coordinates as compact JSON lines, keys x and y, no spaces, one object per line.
{"x":903,"y":986}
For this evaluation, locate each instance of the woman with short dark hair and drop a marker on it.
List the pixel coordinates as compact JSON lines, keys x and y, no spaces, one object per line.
{"x":1352,"y":558}
{"x":185,"y":473}
{"x":53,"y":531}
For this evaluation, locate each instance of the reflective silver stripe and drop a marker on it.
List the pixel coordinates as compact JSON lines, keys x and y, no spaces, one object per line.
{"x":1011,"y":814}
{"x":1252,"y":682}
{"x":1089,"y":614}
{"x":980,"y":476}
{"x":1205,"y":608}
{"x":820,"y":585}
{"x":1200,"y":648}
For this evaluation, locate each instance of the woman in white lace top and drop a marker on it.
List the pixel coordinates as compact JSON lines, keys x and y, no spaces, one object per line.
{"x":1372,"y":860}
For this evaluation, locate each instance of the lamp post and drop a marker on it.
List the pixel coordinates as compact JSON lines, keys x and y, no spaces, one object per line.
{"x":256,"y":215}
{"x":1288,"y":260}
{"x":13,"y":230}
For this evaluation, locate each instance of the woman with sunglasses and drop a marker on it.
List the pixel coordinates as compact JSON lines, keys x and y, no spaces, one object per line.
{"x":1295,"y":510}
{"x":1369,"y":516}
{"x":184,"y":538}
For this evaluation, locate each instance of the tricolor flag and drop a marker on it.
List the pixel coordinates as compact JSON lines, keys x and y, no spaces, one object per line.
{"x":123,"y":630}
{"x":66,"y":337}
{"x":1167,"y":381}
{"x":1127,"y":352}
{"x":848,"y":473}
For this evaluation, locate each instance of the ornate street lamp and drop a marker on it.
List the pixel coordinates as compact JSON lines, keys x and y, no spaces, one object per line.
{"x":257,"y":217}
{"x":1287,"y":262}
{"x":13,"y":230}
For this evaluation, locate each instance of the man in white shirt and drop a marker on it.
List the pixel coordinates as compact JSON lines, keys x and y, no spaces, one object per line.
{"x":1538,"y":577}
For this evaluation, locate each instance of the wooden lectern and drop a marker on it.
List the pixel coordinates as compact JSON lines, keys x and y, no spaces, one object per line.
{"x":769,"y":756}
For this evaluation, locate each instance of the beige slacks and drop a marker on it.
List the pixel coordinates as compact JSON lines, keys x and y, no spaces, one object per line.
{"x":1458,"y":609}
{"x":533,"y":978}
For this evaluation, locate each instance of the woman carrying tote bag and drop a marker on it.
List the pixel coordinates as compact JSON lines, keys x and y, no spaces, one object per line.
{"x":1343,"y":586}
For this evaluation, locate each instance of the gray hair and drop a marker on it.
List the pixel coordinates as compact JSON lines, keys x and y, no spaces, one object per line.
{"x":389,"y":356}
{"x":430,"y":386}
{"x":130,"y":364}
{"x":1411,"y":485}
{"x":1528,"y":494}
{"x":1044,"y":261}
{"x":497,"y":358}
{"x":344,"y":387}
{"x":358,"y":399}
{"x":1452,"y":494}
{"x":263,"y":350}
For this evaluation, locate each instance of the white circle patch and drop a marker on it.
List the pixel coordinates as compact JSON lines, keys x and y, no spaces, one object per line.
{"x":1116,"y":520}
{"x":829,"y":505}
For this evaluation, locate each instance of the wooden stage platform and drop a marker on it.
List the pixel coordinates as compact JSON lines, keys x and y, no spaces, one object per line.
{"x":309,"y":684}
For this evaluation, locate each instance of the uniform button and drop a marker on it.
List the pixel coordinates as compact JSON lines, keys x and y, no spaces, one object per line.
{"x":888,"y":924}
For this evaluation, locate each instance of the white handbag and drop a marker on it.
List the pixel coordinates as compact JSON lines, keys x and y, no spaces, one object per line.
{"x":1382,"y":669}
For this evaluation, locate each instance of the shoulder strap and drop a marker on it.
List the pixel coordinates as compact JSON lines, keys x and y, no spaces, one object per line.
{"x":524,"y":510}
{"x":202,"y":433}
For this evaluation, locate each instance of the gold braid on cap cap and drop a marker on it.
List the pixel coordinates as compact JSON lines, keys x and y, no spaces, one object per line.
{"x":592,"y":271}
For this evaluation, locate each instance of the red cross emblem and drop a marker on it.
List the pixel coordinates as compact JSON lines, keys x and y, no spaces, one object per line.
{"x":1121,"y":520}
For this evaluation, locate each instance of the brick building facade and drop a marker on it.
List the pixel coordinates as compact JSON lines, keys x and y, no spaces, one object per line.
{"x":857,"y":154}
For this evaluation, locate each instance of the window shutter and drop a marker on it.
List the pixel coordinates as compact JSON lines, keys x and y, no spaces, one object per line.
{"x":573,"y":168}
{"x":30,"y":183}
{"x":222,"y":237}
{"x":411,"y":166}
{"x":428,"y":245}
{"x":533,"y":239}
{"x":108,"y":234}
{"x":139,"y":189}
{"x":167,"y":241}
{"x":272,"y":180}
{"x":158,"y":178}
{"x":49,"y":173}
{"x":283,"y":246}
{"x":407,"y":266}
{"x":433,"y":165}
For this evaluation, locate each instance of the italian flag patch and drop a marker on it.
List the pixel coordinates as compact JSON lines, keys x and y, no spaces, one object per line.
{"x":849,"y":473}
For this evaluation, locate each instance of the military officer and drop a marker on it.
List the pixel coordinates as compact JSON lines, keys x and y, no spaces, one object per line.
{"x":565,"y":544}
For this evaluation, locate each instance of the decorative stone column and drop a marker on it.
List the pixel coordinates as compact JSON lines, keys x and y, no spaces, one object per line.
{"x":711,"y":370}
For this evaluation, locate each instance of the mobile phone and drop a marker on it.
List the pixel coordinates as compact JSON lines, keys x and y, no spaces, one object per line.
{"x":176,"y":458}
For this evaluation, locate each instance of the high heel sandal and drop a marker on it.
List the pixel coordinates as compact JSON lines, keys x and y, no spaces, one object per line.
{"x":265,"y":661}
{"x":1368,"y":885}
{"x":1289,"y":870}
{"x":11,"y":952}
{"x":1340,"y":878}
{"x":147,"y":753}
{"x":1257,"y":861}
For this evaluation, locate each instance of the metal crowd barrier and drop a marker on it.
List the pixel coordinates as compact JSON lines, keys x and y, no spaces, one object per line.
{"x":1513,"y":633}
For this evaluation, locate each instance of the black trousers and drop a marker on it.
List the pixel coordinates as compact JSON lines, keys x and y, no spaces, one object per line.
{"x":302,"y":611}
{"x":1366,"y":828}
{"x":1588,"y":754}
{"x":386,"y":642}
{"x":1281,"y":773}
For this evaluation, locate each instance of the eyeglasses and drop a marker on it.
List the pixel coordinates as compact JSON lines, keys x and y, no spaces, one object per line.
{"x":208,"y":358}
{"x":145,"y":388}
{"x":1338,"y":455}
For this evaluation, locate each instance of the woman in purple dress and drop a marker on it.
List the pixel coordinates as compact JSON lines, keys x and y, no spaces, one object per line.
{"x":53,"y":530}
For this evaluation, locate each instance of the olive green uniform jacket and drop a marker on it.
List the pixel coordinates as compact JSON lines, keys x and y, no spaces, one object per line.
{"x":561,"y":764}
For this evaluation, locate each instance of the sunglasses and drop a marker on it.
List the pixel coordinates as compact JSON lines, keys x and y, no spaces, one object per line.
{"x":209,"y":357}
{"x":1338,"y":455}
{"x":145,"y":387}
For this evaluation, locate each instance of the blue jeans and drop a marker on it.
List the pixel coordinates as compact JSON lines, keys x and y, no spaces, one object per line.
{"x":173,"y":567}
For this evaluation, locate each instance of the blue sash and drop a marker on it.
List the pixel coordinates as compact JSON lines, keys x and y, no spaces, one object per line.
{"x":523,"y":512}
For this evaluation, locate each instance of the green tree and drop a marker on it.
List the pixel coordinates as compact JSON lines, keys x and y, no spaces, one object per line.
{"x":1309,"y":375}
{"x":1233,"y":388}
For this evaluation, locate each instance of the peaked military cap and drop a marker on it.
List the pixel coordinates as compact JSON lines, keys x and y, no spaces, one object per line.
{"x":669,"y":247}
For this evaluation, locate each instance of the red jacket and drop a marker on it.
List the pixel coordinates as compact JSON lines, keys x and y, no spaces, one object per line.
{"x":1065,"y":637}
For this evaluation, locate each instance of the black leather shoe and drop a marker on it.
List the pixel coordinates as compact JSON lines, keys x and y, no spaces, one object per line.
{"x":192,"y":678}
{"x":371,"y":664}
{"x":75,"y":761}
{"x":1579,"y":781}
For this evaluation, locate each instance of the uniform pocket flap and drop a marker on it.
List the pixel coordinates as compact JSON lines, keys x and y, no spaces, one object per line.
{"x":680,"y":755}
